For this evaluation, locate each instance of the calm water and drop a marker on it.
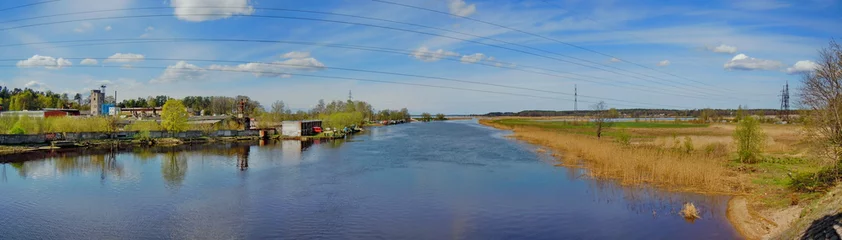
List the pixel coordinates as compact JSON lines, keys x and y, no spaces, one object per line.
{"x":444,"y":180}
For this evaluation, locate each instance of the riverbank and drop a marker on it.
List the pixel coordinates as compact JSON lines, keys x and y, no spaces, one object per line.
{"x":687,"y":157}
{"x":10,"y":153}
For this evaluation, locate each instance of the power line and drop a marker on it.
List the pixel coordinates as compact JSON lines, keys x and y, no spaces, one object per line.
{"x":367,"y":71}
{"x":537,"y":35}
{"x":506,"y":65}
{"x":383,"y":20}
{"x":360,"y":24}
{"x":28,"y":5}
{"x":337,"y":77}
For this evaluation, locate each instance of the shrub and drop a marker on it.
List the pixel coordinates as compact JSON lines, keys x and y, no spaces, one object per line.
{"x":750,"y":140}
{"x":623,"y":137}
{"x":717,"y":149}
{"x":818,"y":181}
{"x":688,"y":145}
{"x":17,"y":130}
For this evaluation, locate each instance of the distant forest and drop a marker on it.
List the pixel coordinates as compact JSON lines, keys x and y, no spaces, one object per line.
{"x":638,"y":113}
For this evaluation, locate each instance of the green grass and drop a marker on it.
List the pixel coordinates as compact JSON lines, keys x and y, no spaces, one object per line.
{"x":573,"y":125}
{"x":587,"y":128}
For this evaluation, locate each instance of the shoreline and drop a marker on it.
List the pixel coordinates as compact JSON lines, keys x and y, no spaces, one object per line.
{"x":748,"y":223}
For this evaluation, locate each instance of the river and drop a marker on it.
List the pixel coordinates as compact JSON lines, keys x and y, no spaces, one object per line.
{"x":440,"y":180}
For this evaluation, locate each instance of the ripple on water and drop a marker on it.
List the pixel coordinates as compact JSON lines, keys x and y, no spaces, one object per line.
{"x":420,"y":181}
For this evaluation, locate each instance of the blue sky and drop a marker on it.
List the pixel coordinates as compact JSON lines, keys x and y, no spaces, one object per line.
{"x":653,"y":54}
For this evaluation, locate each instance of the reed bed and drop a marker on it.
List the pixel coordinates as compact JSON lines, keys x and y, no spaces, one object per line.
{"x":636,"y":164}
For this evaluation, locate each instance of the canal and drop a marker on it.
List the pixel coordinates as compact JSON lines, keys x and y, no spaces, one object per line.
{"x":440,"y":180}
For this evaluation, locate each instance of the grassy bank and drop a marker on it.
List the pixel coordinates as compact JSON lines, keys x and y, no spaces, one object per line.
{"x":688,"y":157}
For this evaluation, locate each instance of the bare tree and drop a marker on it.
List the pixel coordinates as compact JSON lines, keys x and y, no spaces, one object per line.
{"x":821,"y":96}
{"x":600,"y":118}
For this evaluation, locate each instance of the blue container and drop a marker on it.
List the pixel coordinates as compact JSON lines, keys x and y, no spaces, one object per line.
{"x":105,"y":108}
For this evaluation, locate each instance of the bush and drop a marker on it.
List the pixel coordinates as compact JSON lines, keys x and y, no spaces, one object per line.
{"x":750,"y":140}
{"x":819,"y":181}
{"x":688,"y":145}
{"x":17,"y":130}
{"x":623,"y":137}
{"x":717,"y":149}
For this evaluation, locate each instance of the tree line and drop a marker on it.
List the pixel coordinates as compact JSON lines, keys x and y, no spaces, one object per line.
{"x":29,"y":99}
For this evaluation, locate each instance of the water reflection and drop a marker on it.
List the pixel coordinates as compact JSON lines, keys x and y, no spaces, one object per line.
{"x":174,"y":169}
{"x":420,"y":181}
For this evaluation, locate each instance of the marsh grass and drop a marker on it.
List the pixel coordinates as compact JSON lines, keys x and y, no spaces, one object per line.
{"x":690,"y":212}
{"x":636,"y":164}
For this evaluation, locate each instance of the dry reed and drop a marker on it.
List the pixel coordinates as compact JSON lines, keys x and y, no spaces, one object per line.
{"x":636,"y":165}
{"x":689,"y":212}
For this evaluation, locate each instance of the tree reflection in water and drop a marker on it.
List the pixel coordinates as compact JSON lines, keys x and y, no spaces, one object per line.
{"x":173,"y":169}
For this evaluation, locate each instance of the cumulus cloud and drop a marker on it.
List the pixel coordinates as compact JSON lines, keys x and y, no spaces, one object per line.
{"x":802,"y":67}
{"x":181,"y":71}
{"x":35,"y":85}
{"x":473,"y":58}
{"x":746,"y":63}
{"x":613,"y":60}
{"x":664,"y":63}
{"x":722,"y":48}
{"x":461,"y":8}
{"x":108,"y":28}
{"x":275,"y":69}
{"x":187,"y":9}
{"x":424,"y":54}
{"x":149,"y":29}
{"x":124,"y":58}
{"x":296,"y":55}
{"x":44,"y":61}
{"x":89,"y":61}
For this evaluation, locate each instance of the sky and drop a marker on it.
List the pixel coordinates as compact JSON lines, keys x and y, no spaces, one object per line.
{"x":438,"y":56}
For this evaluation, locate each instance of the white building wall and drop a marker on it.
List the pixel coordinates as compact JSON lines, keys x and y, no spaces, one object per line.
{"x":291,"y":129}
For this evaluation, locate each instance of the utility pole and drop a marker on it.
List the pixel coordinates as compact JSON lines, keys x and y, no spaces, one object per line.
{"x":784,"y":114}
{"x":575,"y":97}
{"x":350,"y":97}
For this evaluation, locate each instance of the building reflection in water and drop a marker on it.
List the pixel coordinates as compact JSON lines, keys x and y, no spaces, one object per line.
{"x":243,"y":157}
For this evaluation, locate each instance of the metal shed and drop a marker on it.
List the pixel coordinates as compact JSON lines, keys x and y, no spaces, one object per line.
{"x":300,"y":128}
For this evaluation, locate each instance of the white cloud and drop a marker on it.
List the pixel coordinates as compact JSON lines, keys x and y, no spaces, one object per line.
{"x":85,"y":27}
{"x":743,"y":62}
{"x":474,"y":58}
{"x":36,"y":85}
{"x":802,"y":67}
{"x":296,"y":55}
{"x":108,"y":28}
{"x":722,"y":48}
{"x":461,"y":8}
{"x":275,"y":69}
{"x":613,"y":60}
{"x":664,"y":63}
{"x":228,"y":8}
{"x":181,"y":71}
{"x":149,"y":29}
{"x":124,"y":58}
{"x":89,"y":61}
{"x":44,"y":61}
{"x":759,"y":5}
{"x":424,"y":54}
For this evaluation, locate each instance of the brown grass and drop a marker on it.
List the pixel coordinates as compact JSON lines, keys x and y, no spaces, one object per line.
{"x":635,"y":165}
{"x":689,"y":212}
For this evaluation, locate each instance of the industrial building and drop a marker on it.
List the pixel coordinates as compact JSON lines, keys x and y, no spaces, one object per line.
{"x":300,"y":128}
{"x":97,"y":99}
